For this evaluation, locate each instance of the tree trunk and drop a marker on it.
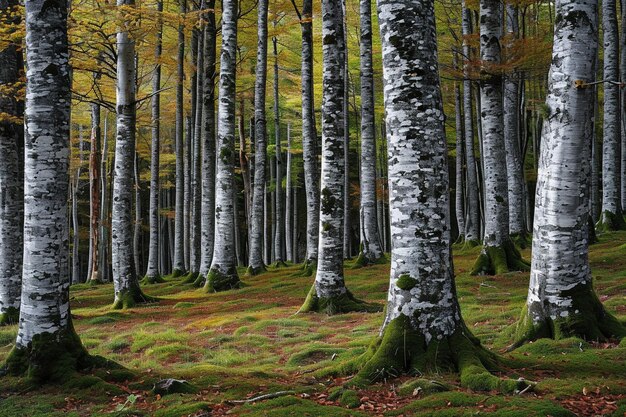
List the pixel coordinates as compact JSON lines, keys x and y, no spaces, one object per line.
{"x":499,"y":254}
{"x":623,"y":102}
{"x":257,"y":215}
{"x":561,"y":302}
{"x":423,"y":330}
{"x":329,"y":293}
{"x":347,"y":223}
{"x":153,"y":275}
{"x":76,"y":279}
{"x":459,"y":201}
{"x":94,"y":193}
{"x":244,"y":165}
{"x":288,"y":201}
{"x":126,"y":284}
{"x":223,"y":273}
{"x":207,"y":216}
{"x":309,"y":141}
{"x":278,"y":217}
{"x":104,"y":253}
{"x":11,"y":177}
{"x":187,"y":195}
{"x":514,"y":164}
{"x":472,"y":219}
{"x":46,"y":343}
{"x":137,"y":228}
{"x":370,"y":249}
{"x":179,"y":220}
{"x":612,"y":217}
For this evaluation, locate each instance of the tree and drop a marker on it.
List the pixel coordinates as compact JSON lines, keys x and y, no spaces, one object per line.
{"x":47,"y":346}
{"x":223,"y":273}
{"x":329,"y":293}
{"x":152,"y":273}
{"x":94,"y":192}
{"x":11,"y":175}
{"x":612,"y":217}
{"x":309,"y":140}
{"x":179,"y":220}
{"x":499,"y":254}
{"x":278,"y":216}
{"x":256,"y":264}
{"x":472,"y":220}
{"x":126,"y":284}
{"x":207,"y":208}
{"x":561,"y":301}
{"x":423,"y":329}
{"x":371,"y":251}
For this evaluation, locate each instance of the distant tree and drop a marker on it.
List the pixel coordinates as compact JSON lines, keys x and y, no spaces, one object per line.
{"x":561,"y":301}
{"x":223,"y":273}
{"x":11,"y":174}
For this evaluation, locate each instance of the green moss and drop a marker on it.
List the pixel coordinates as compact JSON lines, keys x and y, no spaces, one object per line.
{"x":217,"y":281}
{"x":279,"y":264}
{"x":190,"y":278}
{"x":405,"y":282}
{"x":176,"y":273}
{"x":293,"y":406}
{"x":307,"y":269}
{"x":350,"y":399}
{"x":521,"y":240}
{"x":344,"y":303}
{"x":496,"y":260}
{"x":131,"y":297}
{"x":150,"y":280}
{"x":312,"y":355}
{"x":184,"y":304}
{"x":610,"y":222}
{"x":10,"y":316}
{"x":363,"y":260}
{"x":422,"y":386}
{"x":254,"y":271}
{"x":590,"y":322}
{"x":49,"y":357}
{"x":183,"y":410}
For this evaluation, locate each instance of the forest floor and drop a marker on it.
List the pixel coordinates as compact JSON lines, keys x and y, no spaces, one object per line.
{"x":247,"y":342}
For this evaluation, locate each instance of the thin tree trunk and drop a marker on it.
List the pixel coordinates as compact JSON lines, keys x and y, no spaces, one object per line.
{"x":103,"y":255}
{"x":137,"y":228}
{"x":153,"y":274}
{"x":612,"y":217}
{"x":187,"y":195}
{"x":223,"y":273}
{"x":460,"y":158}
{"x":75,"y":224}
{"x":179,"y":220}
{"x":370,"y":248}
{"x":278,"y":218}
{"x":288,"y":201}
{"x":258,"y":213}
{"x":347,"y":223}
{"x":94,"y":192}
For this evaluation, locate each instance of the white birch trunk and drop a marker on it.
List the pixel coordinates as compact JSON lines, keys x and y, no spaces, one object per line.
{"x":561,"y":301}
{"x":179,"y":219}
{"x":288,"y":201}
{"x":223,"y":273}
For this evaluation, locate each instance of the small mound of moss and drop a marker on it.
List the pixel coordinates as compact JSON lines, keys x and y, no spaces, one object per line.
{"x":150,"y":280}
{"x":183,"y":410}
{"x":184,"y":304}
{"x":422,"y":386}
{"x":255,"y":270}
{"x":350,"y":399}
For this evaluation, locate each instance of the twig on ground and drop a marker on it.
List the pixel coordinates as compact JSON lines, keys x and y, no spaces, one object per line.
{"x":261,"y":397}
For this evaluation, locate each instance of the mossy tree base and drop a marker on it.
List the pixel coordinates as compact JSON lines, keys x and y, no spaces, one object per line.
{"x":10,"y":317}
{"x":190,"y":278}
{"x":363,"y":260}
{"x":177,"y":273}
{"x":254,"y":271}
{"x":522,"y":240}
{"x":307,"y":269}
{"x":279,"y":264}
{"x":496,"y":260}
{"x":345,"y":303}
{"x":157,"y":279}
{"x":200,"y":281}
{"x":590,"y":321}
{"x":217,"y":281}
{"x":610,"y":222}
{"x":402,"y":350}
{"x":131,"y":298}
{"x":591,"y":228}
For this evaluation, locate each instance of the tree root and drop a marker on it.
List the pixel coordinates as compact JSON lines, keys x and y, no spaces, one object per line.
{"x":363,"y":261}
{"x":307,"y":269}
{"x":610,"y":222}
{"x":344,"y":303}
{"x":217,"y":281}
{"x":590,"y":322}
{"x":190,"y":278}
{"x":496,"y":260}
{"x":157,"y":279}
{"x":402,"y":350}
{"x":254,"y":271}
{"x":130,"y":298}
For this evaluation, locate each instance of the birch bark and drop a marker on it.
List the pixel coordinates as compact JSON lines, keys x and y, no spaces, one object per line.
{"x":223,"y":273}
{"x":94,"y":192}
{"x":257,"y":218}
{"x":329,"y":293}
{"x":179,"y":219}
{"x":46,"y":342}
{"x":561,"y":301}
{"x":370,"y":248}
{"x":423,"y":329}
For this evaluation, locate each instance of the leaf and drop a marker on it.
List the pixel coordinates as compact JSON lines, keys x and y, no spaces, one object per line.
{"x":585,"y":391}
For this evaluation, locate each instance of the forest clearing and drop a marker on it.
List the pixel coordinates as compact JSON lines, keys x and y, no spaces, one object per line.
{"x":239,"y":344}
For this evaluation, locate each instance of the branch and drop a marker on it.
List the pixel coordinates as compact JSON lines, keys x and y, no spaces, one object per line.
{"x":261,"y":397}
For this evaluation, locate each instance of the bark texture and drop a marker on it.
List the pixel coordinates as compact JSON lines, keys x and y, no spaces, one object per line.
{"x":561,"y":301}
{"x":423,"y":329}
{"x":223,"y":273}
{"x":257,"y":217}
{"x":370,"y":248}
{"x":179,"y":219}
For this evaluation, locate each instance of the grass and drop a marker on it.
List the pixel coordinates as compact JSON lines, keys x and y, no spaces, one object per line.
{"x":248,"y":342}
